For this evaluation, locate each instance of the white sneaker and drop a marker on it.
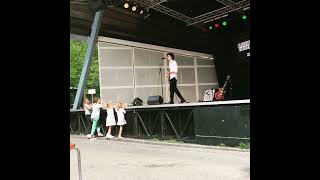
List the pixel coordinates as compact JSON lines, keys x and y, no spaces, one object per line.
{"x":100,"y":135}
{"x":89,"y":136}
{"x":92,"y":139}
{"x":109,"y":136}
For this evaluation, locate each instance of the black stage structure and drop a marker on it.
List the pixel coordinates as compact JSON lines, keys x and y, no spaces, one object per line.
{"x":184,"y":25}
{"x":212,"y":123}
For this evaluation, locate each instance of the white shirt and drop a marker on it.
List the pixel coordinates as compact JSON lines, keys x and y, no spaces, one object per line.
{"x":86,"y":110}
{"x":173,"y":67}
{"x":96,"y":110}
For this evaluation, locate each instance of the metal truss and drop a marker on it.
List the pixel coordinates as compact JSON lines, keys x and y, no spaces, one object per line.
{"x":155,"y":4}
{"x":230,"y":3}
{"x":164,"y":118}
{"x":220,"y":12}
{"x":195,"y":21}
{"x":230,"y":7}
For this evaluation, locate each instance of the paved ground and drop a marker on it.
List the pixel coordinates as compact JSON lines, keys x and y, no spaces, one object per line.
{"x":125,"y":160}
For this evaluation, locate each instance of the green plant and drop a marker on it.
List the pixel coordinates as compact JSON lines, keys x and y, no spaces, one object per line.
{"x":244,"y":145}
{"x":155,"y":139}
{"x":172,"y":141}
{"x":78,"y":51}
{"x":167,"y":140}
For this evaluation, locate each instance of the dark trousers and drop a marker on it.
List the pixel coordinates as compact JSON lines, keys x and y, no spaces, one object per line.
{"x":88,"y":117}
{"x":174,"y":89}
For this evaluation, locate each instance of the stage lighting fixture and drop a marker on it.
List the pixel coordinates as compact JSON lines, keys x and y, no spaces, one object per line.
{"x":210,"y":27}
{"x":244,"y":17}
{"x":216,"y":25}
{"x":134,"y":8}
{"x":147,"y":13}
{"x":126,"y":5}
{"x":141,"y":11}
{"x":224,"y":23}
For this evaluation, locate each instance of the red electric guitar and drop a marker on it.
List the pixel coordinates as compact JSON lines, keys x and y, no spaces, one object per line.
{"x":220,"y":94}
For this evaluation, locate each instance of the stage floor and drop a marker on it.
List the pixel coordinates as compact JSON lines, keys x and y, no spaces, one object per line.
{"x":245,"y":101}
{"x":193,"y":104}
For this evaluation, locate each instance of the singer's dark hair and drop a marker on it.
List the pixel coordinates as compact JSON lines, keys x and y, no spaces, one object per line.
{"x":171,"y":54}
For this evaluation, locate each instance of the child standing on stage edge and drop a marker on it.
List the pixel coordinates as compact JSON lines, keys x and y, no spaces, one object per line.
{"x":121,"y":118}
{"x":110,"y":121}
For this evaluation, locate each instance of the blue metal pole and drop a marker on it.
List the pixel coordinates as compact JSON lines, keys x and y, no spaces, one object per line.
{"x":88,"y":59}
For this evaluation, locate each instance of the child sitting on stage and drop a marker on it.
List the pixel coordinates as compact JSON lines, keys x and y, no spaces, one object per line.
{"x":111,"y":121}
{"x":121,"y":119}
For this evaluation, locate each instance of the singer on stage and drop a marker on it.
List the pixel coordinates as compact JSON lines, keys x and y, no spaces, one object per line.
{"x":173,"y":68}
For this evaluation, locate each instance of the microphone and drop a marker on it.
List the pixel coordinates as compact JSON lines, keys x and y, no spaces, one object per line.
{"x":163,"y":58}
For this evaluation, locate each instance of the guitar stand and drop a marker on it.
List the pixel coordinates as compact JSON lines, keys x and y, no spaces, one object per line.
{"x":230,"y":90}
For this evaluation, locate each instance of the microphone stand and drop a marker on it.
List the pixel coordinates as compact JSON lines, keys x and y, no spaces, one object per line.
{"x":230,"y":91}
{"x":160,"y":74}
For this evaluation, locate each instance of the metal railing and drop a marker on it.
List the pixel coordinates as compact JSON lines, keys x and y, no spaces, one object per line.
{"x":73,"y":147}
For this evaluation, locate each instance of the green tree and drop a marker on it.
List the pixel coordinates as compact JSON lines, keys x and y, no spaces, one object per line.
{"x":78,"y":51}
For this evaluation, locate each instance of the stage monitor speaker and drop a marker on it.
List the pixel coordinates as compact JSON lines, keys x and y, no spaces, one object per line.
{"x":154,"y":100}
{"x":137,"y":102}
{"x":96,"y":5}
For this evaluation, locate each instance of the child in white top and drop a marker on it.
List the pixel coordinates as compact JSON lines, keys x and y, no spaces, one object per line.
{"x":121,"y":119}
{"x":87,"y":109}
{"x":95,"y":117}
{"x":111,"y":121}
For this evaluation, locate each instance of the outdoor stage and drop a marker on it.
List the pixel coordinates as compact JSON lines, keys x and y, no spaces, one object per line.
{"x":130,"y":56}
{"x":213,"y":123}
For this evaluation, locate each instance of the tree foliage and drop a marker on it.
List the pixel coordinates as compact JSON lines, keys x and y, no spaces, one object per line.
{"x":78,"y":51}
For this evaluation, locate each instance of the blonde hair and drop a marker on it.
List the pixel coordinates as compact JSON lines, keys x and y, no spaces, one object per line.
{"x":111,"y":105}
{"x":96,"y":99}
{"x":123,"y":105}
{"x":87,"y":100}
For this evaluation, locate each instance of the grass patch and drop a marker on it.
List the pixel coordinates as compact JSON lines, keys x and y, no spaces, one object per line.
{"x":167,"y":140}
{"x":244,"y":145}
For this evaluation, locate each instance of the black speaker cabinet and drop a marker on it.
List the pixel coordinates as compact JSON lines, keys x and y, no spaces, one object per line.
{"x":153,"y":100}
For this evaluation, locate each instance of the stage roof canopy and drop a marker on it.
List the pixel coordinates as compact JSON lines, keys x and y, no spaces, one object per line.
{"x":172,"y":23}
